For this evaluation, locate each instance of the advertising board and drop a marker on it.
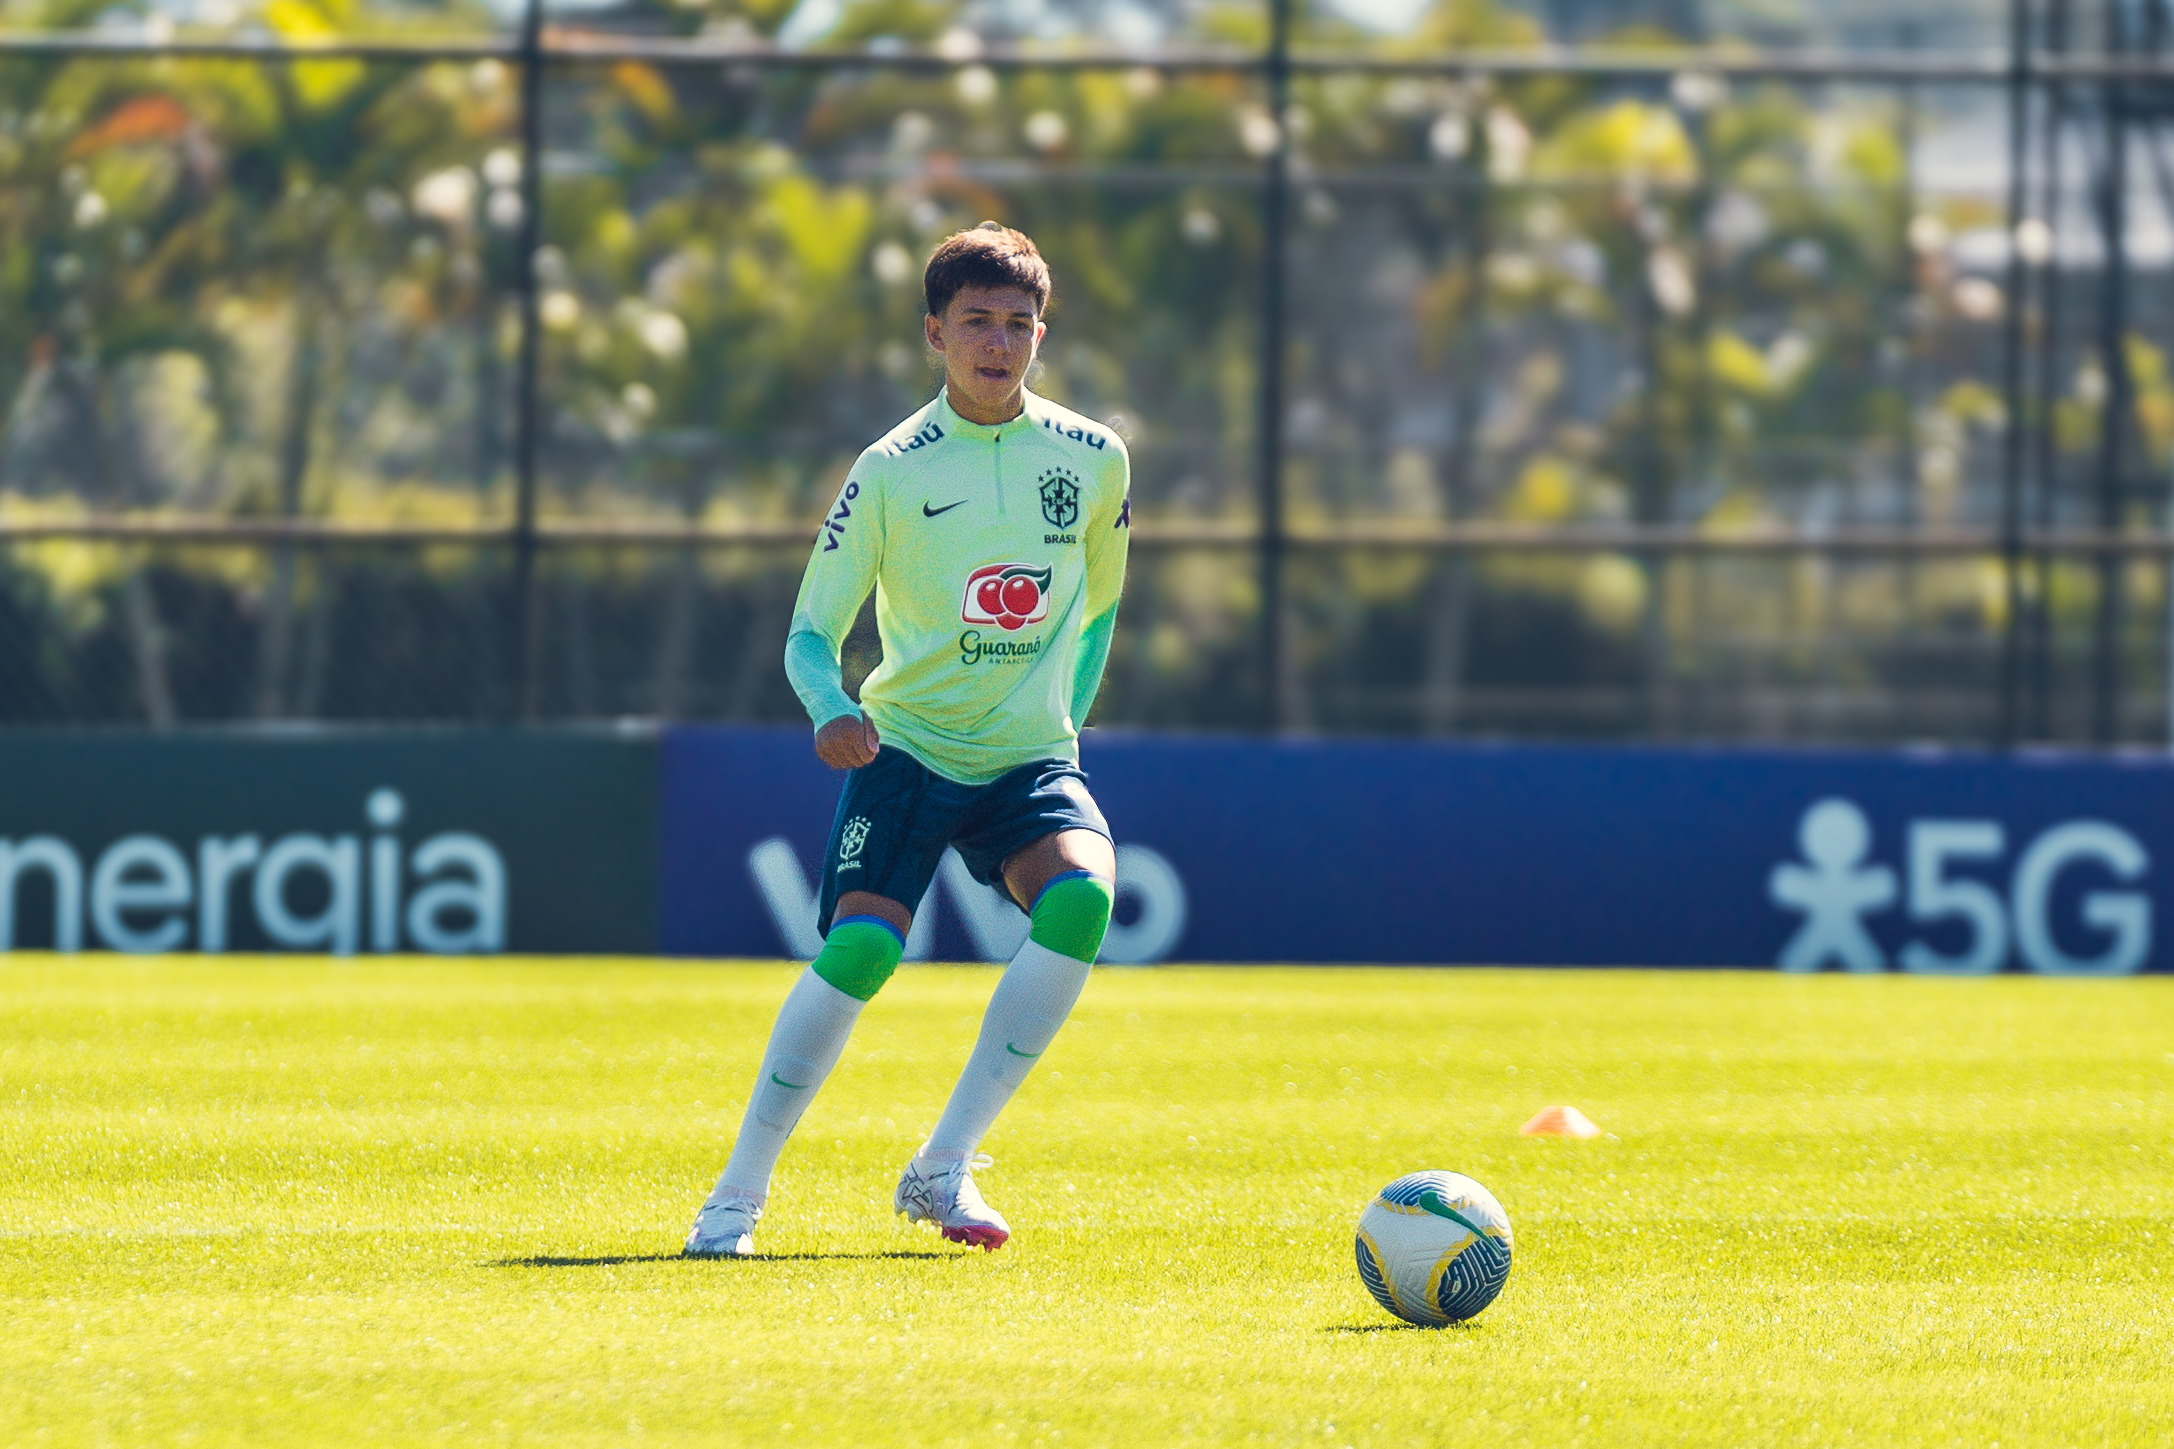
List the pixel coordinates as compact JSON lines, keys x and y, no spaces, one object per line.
{"x":1354,"y":851}
{"x":340,"y":841}
{"x":709,"y":842}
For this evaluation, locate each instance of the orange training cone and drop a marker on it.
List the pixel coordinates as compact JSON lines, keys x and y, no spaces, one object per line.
{"x":1560,"y":1122}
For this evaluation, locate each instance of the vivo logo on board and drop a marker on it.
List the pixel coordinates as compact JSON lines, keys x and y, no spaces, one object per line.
{"x":1838,"y":885}
{"x":447,"y":895}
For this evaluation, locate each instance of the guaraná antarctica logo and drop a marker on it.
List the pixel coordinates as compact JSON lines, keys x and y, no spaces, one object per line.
{"x":1008,"y":595}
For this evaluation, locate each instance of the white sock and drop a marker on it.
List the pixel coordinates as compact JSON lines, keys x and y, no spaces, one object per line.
{"x":1030,"y":1003}
{"x":811,"y":1030}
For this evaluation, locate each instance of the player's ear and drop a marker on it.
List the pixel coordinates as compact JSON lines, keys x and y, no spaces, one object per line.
{"x":932,"y":327}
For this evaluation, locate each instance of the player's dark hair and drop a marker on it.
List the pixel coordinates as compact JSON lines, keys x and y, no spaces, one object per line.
{"x":989,"y":255}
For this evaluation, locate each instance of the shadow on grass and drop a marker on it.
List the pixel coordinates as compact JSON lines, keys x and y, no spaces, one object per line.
{"x":624,"y":1258}
{"x":1461,"y":1326}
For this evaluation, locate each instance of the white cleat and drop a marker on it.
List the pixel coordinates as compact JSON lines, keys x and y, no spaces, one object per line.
{"x":725,"y":1228}
{"x":943,"y":1193}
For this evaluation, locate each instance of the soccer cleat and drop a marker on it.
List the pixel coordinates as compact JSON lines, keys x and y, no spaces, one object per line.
{"x":943,"y":1193}
{"x":725,"y":1228}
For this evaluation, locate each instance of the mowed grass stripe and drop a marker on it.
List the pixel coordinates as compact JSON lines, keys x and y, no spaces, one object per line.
{"x":405,"y":1202}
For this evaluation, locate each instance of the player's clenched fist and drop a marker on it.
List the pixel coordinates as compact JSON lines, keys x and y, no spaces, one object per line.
{"x":847,"y":742}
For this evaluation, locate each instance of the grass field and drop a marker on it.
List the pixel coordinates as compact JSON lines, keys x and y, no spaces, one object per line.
{"x":271,"y":1202}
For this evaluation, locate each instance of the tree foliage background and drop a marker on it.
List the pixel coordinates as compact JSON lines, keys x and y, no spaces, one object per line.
{"x":251,"y":289}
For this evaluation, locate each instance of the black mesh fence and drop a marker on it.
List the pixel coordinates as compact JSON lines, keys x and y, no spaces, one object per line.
{"x":1640,"y":394}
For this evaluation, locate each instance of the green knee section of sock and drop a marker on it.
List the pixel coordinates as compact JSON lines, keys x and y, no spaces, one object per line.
{"x":1071,"y":915}
{"x":858,"y":957}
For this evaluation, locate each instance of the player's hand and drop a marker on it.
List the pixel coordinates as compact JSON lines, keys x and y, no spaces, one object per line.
{"x":847,"y":742}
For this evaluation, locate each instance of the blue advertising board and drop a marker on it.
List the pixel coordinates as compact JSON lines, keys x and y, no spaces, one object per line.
{"x":1319,"y":851}
{"x":709,"y":842}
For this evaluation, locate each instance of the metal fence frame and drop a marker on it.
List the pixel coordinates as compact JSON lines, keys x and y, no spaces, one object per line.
{"x":2039,"y":77}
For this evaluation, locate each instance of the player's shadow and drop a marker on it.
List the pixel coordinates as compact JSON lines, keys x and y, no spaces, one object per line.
{"x":619,"y":1259}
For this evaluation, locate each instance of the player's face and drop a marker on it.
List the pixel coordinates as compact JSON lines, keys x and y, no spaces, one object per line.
{"x":988,"y":337}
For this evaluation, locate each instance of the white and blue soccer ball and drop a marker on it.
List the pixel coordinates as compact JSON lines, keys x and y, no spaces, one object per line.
{"x":1434,"y":1248}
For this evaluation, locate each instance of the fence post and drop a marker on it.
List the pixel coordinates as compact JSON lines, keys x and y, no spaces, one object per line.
{"x":2117,"y":409}
{"x":1275,"y":206}
{"x":523,"y":635}
{"x":2012,"y":400}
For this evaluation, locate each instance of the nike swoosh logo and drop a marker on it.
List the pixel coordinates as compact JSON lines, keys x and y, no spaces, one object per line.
{"x":1018,"y":1053}
{"x":796,"y":1086}
{"x":928,"y":512}
{"x":1434,"y":1204}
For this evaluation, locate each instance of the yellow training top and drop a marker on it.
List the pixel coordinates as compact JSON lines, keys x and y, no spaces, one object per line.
{"x":997,"y":556}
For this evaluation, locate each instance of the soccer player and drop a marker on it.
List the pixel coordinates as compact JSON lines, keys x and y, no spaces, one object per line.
{"x":993,"y":526}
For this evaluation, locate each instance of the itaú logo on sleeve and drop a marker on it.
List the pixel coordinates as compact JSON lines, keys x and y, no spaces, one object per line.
{"x":1008,"y":595}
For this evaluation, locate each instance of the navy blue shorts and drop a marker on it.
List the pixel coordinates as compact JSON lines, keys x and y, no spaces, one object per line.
{"x":896,"y":815}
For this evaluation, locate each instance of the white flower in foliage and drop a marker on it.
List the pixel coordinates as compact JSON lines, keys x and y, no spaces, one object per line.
{"x":447,"y":196}
{"x":892,"y":264}
{"x":664,"y":334}
{"x":1046,"y":130}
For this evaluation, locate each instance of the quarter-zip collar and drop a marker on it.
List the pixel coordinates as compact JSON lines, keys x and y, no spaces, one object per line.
{"x":982,"y":432}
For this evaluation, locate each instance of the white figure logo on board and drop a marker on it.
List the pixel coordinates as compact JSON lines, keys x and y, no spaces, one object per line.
{"x":1835,"y":892}
{"x":1835,"y":887}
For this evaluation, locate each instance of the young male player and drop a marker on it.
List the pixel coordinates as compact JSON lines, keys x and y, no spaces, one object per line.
{"x":992,"y":525}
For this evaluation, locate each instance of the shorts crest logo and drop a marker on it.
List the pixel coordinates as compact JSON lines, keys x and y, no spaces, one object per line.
{"x":1060,"y":497}
{"x":1009,"y":595}
{"x":851,"y":841}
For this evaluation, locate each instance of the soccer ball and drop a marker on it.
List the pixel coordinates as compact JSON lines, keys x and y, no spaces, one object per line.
{"x":1434,"y":1248}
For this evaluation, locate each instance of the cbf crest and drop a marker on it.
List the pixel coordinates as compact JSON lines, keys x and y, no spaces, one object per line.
{"x":851,"y":841}
{"x":1060,"y":497}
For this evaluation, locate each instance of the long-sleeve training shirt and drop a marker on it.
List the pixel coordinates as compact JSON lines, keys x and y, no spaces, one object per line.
{"x":997,"y":556}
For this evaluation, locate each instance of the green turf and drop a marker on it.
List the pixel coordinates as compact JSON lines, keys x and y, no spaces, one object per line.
{"x":287,"y":1202}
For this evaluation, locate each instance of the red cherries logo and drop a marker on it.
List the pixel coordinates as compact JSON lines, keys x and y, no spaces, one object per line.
{"x":1010,"y":596}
